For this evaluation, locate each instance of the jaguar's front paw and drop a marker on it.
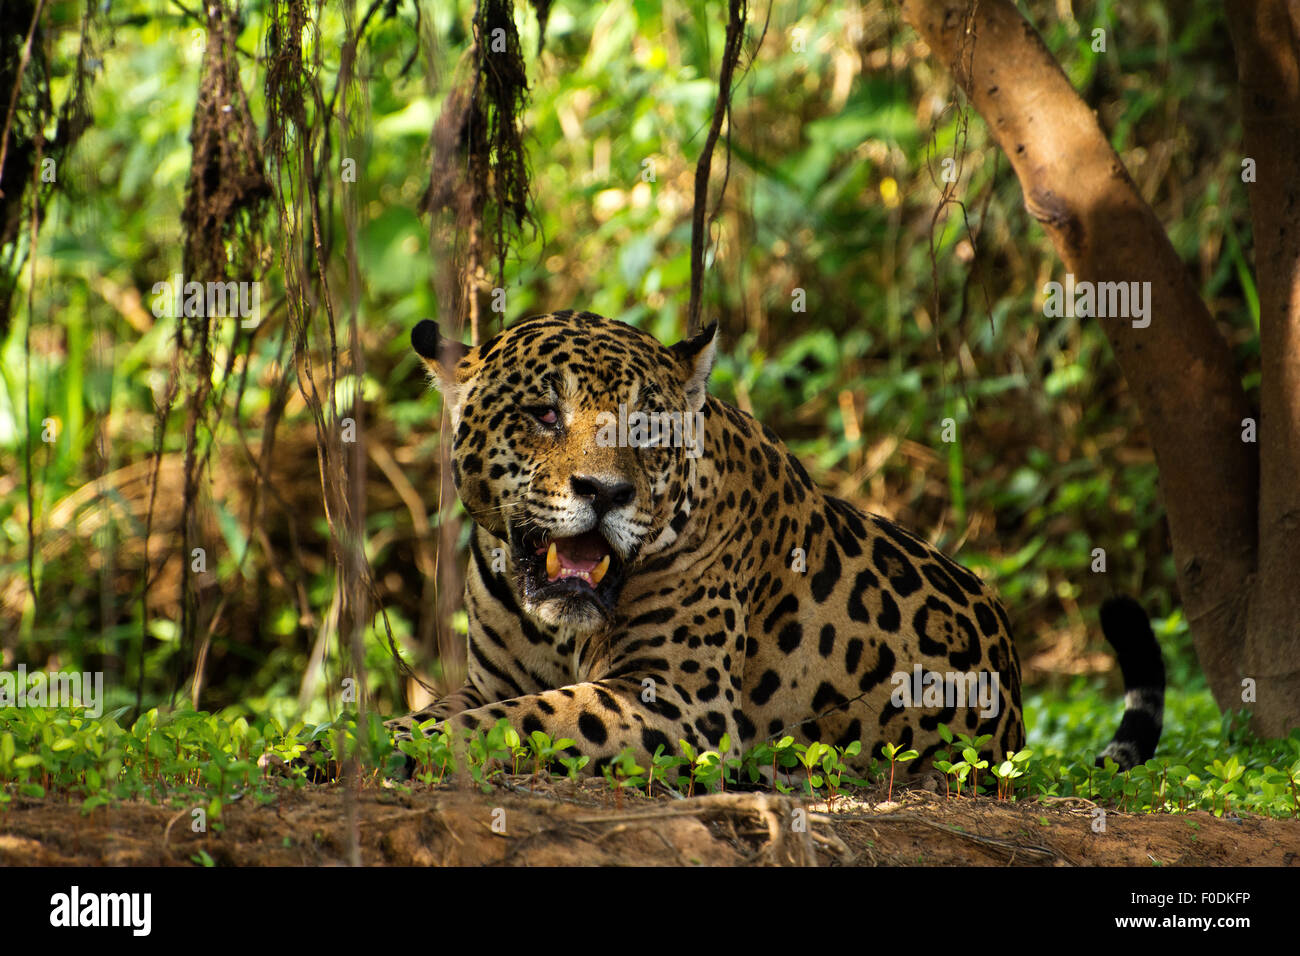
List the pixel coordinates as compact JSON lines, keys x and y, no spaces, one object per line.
{"x":402,"y":728}
{"x":405,"y":730}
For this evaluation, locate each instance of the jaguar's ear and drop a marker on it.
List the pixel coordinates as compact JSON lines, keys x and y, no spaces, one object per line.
{"x":440,"y":355}
{"x":696,"y":356}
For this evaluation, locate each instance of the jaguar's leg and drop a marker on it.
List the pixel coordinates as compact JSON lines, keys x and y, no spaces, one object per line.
{"x":467,"y":698}
{"x":604,"y":717}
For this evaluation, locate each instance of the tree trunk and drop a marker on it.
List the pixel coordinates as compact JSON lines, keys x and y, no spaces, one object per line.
{"x":1224,"y":520}
{"x":1264,"y":35}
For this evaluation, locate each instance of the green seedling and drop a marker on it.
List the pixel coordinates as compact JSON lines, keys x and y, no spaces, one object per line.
{"x":893,"y":753}
{"x":1008,"y":770}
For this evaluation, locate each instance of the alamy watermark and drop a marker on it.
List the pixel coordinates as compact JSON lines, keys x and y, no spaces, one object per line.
{"x":933,"y":689}
{"x":212,"y":299}
{"x":1102,"y":300}
{"x":133,"y":911}
{"x":53,"y":689}
{"x":651,"y":430}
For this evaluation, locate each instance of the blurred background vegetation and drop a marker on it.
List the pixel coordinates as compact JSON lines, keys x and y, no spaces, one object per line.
{"x":916,"y":311}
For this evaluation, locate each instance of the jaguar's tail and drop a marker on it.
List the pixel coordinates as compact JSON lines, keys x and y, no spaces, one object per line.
{"x":1127,"y":629}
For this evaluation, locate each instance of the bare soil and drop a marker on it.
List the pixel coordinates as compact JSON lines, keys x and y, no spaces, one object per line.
{"x":529,"y":822}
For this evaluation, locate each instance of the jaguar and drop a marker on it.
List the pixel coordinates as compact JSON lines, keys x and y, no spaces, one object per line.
{"x":642,"y":581}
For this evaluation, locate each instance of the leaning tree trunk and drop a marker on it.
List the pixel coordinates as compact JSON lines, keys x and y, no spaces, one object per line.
{"x":1233,"y":506}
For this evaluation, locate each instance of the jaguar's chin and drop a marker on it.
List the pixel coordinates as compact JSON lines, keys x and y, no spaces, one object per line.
{"x":569,"y":582}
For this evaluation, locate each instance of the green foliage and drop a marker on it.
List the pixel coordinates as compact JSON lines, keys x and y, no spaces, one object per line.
{"x":193,"y":759}
{"x":188,"y":758}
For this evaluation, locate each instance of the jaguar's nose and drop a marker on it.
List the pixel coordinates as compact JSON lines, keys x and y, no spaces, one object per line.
{"x":603,"y":495}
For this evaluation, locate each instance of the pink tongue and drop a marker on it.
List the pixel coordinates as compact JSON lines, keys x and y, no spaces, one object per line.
{"x":576,"y":564}
{"x":582,"y":553}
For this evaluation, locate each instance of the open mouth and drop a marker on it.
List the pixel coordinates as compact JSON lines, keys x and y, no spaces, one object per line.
{"x":583,"y":566}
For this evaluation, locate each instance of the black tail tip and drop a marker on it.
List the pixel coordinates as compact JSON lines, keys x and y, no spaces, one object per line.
{"x":1128,"y":630}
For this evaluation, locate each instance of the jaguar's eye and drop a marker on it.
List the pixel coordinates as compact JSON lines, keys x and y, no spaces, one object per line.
{"x":546,"y":414}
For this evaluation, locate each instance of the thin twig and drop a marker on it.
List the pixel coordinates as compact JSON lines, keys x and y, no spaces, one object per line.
{"x":737,"y":12}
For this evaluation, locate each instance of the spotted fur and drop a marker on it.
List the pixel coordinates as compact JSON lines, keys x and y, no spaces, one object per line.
{"x":739,"y":599}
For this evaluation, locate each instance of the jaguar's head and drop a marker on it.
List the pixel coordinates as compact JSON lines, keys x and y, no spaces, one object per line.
{"x":572,"y":442}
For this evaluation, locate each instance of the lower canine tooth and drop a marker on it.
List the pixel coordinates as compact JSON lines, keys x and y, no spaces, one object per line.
{"x":599,"y":570}
{"x":552,"y":562}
